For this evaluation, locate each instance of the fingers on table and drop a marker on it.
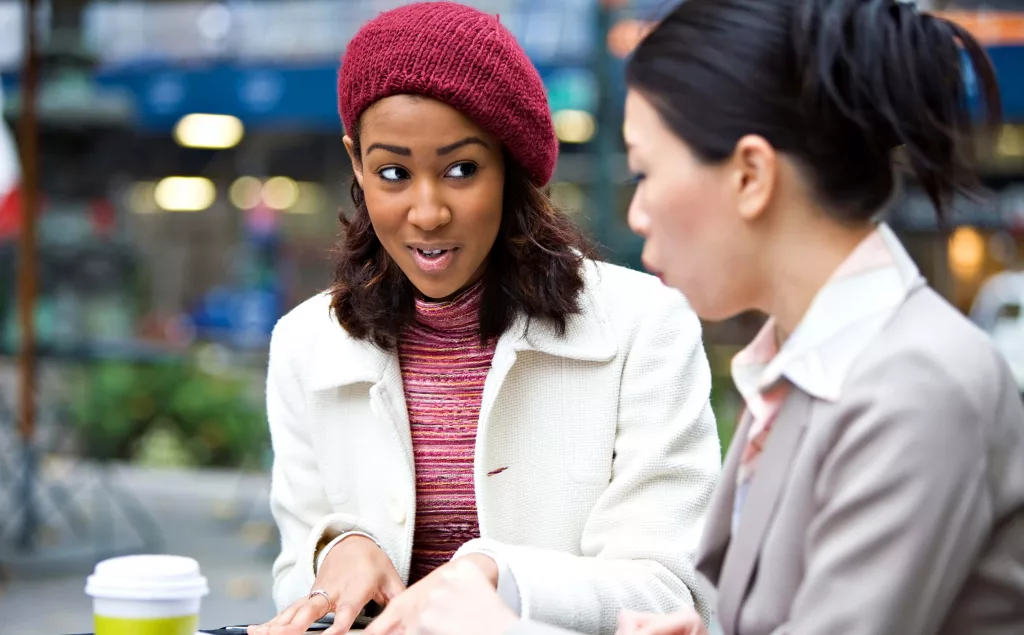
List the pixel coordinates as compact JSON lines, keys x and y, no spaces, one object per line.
{"x":344,"y":617}
{"x":294,"y":620}
{"x":348,"y":604}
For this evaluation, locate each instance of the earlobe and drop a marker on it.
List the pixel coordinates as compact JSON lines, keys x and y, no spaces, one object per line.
{"x":756,"y":165}
{"x":357,"y":163}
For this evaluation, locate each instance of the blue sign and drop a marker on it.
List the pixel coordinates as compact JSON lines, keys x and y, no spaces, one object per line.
{"x":305,"y":97}
{"x":268,"y":96}
{"x":278,"y":96}
{"x":1009,"y":63}
{"x":238,"y":316}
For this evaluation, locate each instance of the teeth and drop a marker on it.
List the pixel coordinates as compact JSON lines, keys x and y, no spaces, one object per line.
{"x":431,"y":252}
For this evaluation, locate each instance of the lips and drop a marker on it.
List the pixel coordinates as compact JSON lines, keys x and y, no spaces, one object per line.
{"x":433,"y":259}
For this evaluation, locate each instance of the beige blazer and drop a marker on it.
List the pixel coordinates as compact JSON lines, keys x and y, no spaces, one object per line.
{"x":897,"y":509}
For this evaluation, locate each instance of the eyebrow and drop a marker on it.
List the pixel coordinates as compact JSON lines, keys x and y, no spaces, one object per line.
{"x":405,"y":152}
{"x":448,"y":149}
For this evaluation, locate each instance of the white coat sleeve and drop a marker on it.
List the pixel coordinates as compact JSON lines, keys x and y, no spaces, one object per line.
{"x":298,"y":500}
{"x":639,"y":541}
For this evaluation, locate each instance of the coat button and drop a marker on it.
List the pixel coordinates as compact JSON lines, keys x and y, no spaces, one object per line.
{"x":396,"y":508}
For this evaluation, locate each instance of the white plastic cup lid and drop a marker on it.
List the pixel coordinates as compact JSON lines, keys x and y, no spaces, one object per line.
{"x":147,"y":577}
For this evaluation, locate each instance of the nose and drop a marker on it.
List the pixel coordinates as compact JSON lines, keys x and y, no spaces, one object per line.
{"x":429,"y":210}
{"x":638,"y":221}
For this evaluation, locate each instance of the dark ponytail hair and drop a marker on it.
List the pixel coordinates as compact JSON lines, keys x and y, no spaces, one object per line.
{"x":837,"y":85}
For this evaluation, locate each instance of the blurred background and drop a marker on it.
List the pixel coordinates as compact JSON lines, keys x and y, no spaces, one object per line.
{"x":191,"y":171}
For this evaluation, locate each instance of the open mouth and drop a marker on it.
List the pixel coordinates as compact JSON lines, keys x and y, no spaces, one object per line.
{"x":433,"y":260}
{"x":433,"y":253}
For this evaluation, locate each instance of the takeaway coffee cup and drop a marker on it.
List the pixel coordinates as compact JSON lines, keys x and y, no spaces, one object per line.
{"x":146,"y":595}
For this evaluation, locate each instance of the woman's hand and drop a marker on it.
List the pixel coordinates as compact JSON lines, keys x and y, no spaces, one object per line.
{"x":684,"y":622}
{"x":354,"y":572}
{"x":402,"y":617}
{"x":464,"y":603}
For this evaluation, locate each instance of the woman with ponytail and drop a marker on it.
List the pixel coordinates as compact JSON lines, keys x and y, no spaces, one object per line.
{"x":875,"y":485}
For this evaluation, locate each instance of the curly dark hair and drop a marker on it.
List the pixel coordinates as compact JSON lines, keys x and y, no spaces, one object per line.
{"x":535,"y":267}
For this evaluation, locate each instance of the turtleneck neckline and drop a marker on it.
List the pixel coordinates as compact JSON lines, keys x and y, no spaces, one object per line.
{"x":461,"y":313}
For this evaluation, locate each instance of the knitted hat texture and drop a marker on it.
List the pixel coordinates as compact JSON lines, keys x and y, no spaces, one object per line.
{"x":458,"y":55}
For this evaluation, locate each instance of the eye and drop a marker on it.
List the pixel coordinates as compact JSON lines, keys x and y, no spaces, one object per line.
{"x":637,"y":177}
{"x":462,"y":170}
{"x":393,"y":174}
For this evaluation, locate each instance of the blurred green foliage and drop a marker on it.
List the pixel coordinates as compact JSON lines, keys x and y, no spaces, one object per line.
{"x":168,"y":414}
{"x":726,"y":404}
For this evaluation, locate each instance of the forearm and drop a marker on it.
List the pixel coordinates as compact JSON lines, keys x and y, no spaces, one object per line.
{"x":586,"y":593}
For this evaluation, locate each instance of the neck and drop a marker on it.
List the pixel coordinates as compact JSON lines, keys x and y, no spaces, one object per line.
{"x":801,"y":263}
{"x":457,"y":314}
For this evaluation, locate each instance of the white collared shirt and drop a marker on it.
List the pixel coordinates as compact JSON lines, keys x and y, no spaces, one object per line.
{"x":846,"y":314}
{"x":856,"y":303}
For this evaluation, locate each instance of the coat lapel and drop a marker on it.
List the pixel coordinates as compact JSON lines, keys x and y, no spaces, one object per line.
{"x":741,"y":556}
{"x":346,"y":362}
{"x":588,"y":336}
{"x":387,"y":401}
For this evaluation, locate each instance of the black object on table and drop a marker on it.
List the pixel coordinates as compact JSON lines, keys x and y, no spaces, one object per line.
{"x":317,"y":627}
{"x":370,"y":611}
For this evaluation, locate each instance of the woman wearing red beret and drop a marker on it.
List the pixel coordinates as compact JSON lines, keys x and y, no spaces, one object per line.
{"x":474,"y":387}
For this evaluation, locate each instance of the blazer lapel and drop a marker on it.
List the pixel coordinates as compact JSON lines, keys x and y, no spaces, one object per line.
{"x":717,"y":531}
{"x":769,"y":480}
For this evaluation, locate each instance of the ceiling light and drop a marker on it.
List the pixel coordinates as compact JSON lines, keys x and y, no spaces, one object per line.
{"x":209,"y":131}
{"x":185,"y":193}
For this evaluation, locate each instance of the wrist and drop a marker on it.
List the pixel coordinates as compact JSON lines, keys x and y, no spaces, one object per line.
{"x":486,"y":564}
{"x":349,"y":539}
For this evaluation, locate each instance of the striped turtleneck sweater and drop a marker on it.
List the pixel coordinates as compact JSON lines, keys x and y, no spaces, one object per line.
{"x":443,"y":371}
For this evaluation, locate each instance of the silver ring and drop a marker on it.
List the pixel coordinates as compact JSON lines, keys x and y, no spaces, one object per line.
{"x":316,"y":592}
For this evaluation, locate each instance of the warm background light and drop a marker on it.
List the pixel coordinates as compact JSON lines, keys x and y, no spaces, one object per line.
{"x":311,"y":199}
{"x":200,"y":130}
{"x":966,"y":252}
{"x":567,"y":197}
{"x":185,"y":193}
{"x":1010,"y":144}
{"x":246,"y":192}
{"x":574,"y":126}
{"x":625,"y":35}
{"x":280,"y":193}
{"x":141,"y":198}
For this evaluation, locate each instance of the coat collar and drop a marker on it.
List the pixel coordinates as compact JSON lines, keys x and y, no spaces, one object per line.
{"x":341,"y":360}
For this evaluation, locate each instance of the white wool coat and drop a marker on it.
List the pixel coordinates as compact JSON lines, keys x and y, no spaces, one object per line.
{"x":596,"y":452}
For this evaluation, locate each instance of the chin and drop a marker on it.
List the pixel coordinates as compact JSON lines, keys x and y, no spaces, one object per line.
{"x":714,"y":312}
{"x":437,"y":291}
{"x":704,"y":303}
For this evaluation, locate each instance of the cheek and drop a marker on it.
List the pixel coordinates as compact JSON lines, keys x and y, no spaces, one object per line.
{"x":688,"y":234}
{"x":674,"y":211}
{"x":387,"y":213}
{"x":478,"y":213}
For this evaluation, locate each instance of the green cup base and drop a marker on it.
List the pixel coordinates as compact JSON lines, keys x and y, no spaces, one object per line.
{"x":184,"y":625}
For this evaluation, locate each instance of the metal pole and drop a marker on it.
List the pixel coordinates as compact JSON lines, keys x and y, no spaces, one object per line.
{"x":27,"y":280}
{"x":603,"y":189}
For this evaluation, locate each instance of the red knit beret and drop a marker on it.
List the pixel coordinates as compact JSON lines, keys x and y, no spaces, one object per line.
{"x":458,"y":55}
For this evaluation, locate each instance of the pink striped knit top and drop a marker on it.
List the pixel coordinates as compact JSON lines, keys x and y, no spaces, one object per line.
{"x":443,"y":371}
